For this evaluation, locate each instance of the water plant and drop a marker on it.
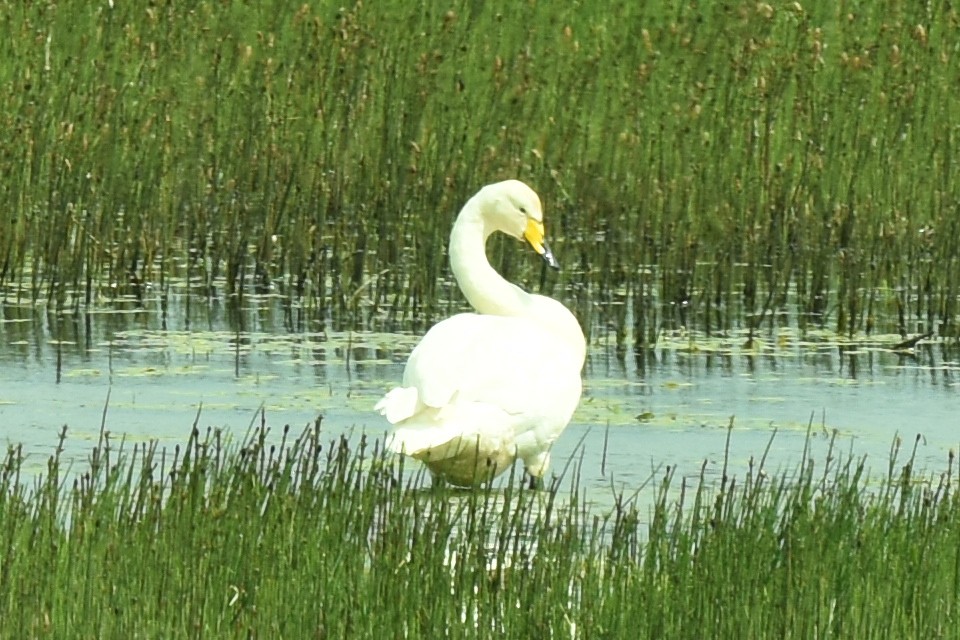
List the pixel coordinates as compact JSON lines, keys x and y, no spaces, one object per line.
{"x":297,"y":537}
{"x":703,"y":166}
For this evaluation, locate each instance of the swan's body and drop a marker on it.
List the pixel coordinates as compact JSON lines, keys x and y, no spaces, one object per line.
{"x":483,"y":389}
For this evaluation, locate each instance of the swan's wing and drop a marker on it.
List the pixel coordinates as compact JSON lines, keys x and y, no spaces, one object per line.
{"x":428,"y":376}
{"x":503,"y":362}
{"x":438,"y":366}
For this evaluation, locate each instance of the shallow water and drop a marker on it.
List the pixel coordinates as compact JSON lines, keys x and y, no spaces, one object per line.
{"x":639,"y":415}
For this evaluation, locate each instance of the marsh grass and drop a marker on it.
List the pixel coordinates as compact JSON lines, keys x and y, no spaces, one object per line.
{"x":703,"y":166}
{"x":286,"y":536}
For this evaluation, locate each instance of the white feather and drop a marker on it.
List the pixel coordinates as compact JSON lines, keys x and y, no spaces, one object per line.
{"x":483,"y":389}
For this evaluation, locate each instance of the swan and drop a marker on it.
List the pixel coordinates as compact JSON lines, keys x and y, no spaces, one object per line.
{"x":481,"y":390}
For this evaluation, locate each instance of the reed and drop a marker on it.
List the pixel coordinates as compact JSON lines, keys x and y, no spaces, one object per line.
{"x":706,"y":167}
{"x":294,"y":536}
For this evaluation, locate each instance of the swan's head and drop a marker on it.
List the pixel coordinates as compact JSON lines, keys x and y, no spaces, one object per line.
{"x":514,"y":208}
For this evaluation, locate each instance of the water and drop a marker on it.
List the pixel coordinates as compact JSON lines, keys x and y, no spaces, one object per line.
{"x":216,"y":366}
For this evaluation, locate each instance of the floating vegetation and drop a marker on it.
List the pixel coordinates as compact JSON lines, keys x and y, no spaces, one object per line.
{"x":296,"y":537}
{"x":705,"y":166}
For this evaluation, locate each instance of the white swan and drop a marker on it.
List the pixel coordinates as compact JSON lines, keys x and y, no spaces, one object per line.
{"x":483,"y":389}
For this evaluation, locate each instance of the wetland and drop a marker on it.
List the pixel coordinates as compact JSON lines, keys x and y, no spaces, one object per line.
{"x":223,"y":228}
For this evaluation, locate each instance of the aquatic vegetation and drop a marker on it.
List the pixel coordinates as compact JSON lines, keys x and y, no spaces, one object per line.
{"x":292,"y":536}
{"x":707,"y":166}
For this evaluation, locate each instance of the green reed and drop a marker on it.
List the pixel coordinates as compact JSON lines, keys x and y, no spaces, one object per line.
{"x":299,"y":537}
{"x":708,"y":167}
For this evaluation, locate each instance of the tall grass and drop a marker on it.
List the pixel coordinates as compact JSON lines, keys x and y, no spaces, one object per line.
{"x":287,"y":536}
{"x":707,"y":166}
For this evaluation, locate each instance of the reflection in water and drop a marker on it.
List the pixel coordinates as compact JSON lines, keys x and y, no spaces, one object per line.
{"x":667,"y":407}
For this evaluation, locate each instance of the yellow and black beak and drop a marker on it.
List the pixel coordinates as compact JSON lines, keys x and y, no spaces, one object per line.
{"x":534,"y":235}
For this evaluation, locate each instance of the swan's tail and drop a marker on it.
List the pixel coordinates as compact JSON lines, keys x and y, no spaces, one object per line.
{"x":448,"y":430}
{"x":415,"y":441}
{"x":398,"y":404}
{"x":418,"y":435}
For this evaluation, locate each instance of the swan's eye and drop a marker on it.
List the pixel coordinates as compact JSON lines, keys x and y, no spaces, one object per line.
{"x":523,"y":210}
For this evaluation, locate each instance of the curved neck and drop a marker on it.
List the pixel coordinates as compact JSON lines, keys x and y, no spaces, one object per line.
{"x":490,"y":294}
{"x":485,"y":289}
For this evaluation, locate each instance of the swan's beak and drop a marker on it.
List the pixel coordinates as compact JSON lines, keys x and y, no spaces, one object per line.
{"x":549,"y":258}
{"x":534,"y":235}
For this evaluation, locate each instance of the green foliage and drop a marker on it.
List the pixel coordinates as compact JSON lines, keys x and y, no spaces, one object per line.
{"x":293,"y":537}
{"x":702,"y":165}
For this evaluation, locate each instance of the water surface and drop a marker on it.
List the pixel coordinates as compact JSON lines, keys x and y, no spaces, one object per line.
{"x":667,"y":407}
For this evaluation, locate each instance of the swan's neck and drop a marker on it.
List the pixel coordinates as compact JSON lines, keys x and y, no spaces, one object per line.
{"x":485,"y":289}
{"x":489,"y":293}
